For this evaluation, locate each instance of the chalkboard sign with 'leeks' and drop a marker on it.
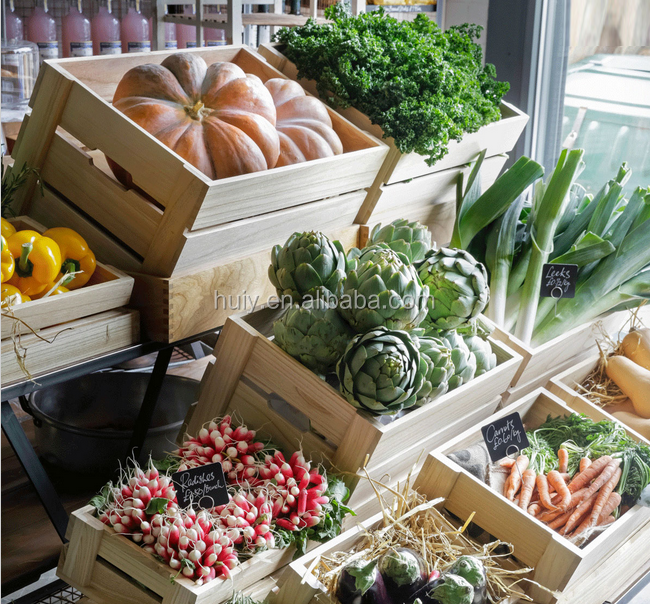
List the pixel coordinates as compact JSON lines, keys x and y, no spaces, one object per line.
{"x":559,"y":280}
{"x":505,"y":436}
{"x":203,"y":487}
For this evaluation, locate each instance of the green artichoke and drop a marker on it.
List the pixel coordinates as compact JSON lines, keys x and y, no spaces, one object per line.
{"x":383,"y":290}
{"x":440,"y":369}
{"x":458,"y":286}
{"x":314,"y":334}
{"x":309,"y":265}
{"x":481,"y":350}
{"x":381,"y":371}
{"x":409,"y":238}
{"x":464,"y":361}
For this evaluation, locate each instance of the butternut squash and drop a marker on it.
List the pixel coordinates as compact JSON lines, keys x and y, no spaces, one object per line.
{"x":633,"y":380}
{"x":638,"y":424}
{"x":636,"y":347}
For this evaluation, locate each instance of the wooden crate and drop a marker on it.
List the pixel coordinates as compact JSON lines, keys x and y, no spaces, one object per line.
{"x":61,"y":345}
{"x":183,"y":305}
{"x":297,"y":585}
{"x":110,"y":569}
{"x":498,"y":138}
{"x":184,"y":220}
{"x":543,"y":362}
{"x":602,"y":570}
{"x":108,"y":288}
{"x":272,"y":391}
{"x":564,"y":386}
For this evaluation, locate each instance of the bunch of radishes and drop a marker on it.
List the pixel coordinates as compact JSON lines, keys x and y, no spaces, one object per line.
{"x":266,"y":493}
{"x":248,"y":518}
{"x":234,"y":447}
{"x":297,"y":491}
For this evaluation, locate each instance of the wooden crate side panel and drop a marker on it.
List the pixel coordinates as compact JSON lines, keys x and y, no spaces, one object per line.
{"x":274,"y":369}
{"x":153,"y":167}
{"x":107,"y":289}
{"x":126,"y":214}
{"x":50,"y":210}
{"x":67,"y":344}
{"x":288,"y":186}
{"x":252,"y":406}
{"x":108,"y":585}
{"x":497,"y":137}
{"x":85,"y":534}
{"x":35,"y":137}
{"x":332,"y":216}
{"x":418,"y":424}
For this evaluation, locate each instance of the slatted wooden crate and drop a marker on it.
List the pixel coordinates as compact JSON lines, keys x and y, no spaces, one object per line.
{"x":497,"y":138}
{"x":109,"y":568}
{"x":272,"y":391}
{"x":108,"y":288}
{"x":192,"y":220}
{"x":565,"y":386}
{"x":602,"y":570}
{"x":62,"y":345}
{"x":183,"y":305}
{"x":543,"y":362}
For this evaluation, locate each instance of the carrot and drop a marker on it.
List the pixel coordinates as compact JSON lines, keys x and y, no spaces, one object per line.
{"x":606,"y":521}
{"x":578,"y":514}
{"x":527,"y":486}
{"x":613,"y":501}
{"x":584,"y":478}
{"x":507,"y":462}
{"x":565,"y":476}
{"x":576,"y":498}
{"x":563,"y":459}
{"x":534,"y":509}
{"x":560,"y":521}
{"x":515,"y":476}
{"x":585,"y":462}
{"x":599,"y":504}
{"x":557,"y":481}
{"x":603,"y":478}
{"x":544,"y":497}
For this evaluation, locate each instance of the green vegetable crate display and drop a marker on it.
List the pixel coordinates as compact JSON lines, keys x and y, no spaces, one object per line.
{"x":429,"y":138}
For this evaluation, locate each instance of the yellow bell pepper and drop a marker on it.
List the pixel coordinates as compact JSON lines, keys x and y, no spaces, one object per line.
{"x":38,"y":261}
{"x":57,"y":292}
{"x":8,"y":229}
{"x":76,"y":255}
{"x":8,"y":264}
{"x":11,"y":295}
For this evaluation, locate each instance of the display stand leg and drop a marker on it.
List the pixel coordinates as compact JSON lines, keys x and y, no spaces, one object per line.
{"x":148,"y":408}
{"x":34,"y":469}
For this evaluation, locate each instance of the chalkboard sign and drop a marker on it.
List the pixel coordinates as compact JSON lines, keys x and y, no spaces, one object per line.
{"x":505,"y":436}
{"x":203,"y":487}
{"x":559,"y":281}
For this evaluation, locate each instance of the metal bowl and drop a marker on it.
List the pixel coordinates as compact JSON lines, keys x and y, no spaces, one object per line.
{"x":85,"y":425}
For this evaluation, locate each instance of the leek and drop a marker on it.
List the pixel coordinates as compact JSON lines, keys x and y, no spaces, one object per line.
{"x":543,"y":228}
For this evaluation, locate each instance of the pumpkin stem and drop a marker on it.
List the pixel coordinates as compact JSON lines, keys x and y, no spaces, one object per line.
{"x":195,"y":111}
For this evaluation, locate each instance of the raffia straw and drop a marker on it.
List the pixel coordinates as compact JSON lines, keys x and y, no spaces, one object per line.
{"x":597,"y":387}
{"x":413,"y":521}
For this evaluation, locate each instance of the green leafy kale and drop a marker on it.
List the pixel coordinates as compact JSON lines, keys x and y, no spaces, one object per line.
{"x":422,"y":86}
{"x":328,"y":528}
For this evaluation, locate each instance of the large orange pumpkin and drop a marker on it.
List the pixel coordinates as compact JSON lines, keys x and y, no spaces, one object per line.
{"x":304,"y":124}
{"x":218,"y":118}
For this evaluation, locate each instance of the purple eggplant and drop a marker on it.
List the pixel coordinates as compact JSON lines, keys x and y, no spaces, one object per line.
{"x":361,"y":583}
{"x":404,"y":572}
{"x":446,"y":589}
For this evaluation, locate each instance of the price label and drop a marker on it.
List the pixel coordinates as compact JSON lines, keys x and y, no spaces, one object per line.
{"x":505,"y":436}
{"x":203,"y":487}
{"x":559,"y":281}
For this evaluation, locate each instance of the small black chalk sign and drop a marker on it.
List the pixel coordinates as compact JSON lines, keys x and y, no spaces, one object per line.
{"x":559,"y":281}
{"x":505,"y":436}
{"x":203,"y":487}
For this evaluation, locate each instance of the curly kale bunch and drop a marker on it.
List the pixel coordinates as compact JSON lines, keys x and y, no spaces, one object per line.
{"x":422,"y":86}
